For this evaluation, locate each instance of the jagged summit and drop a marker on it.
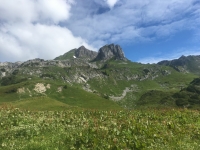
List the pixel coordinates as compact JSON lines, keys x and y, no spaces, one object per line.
{"x":184,"y":63}
{"x":82,"y":52}
{"x":110,"y":51}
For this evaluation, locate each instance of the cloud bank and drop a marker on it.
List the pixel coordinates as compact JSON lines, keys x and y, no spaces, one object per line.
{"x":134,"y":21}
{"x":30,"y":29}
{"x":48,"y":28}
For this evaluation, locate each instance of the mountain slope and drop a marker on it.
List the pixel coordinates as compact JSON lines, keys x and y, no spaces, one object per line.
{"x":81,"y":52}
{"x":104,"y":82}
{"x":184,"y":64}
{"x":67,"y":55}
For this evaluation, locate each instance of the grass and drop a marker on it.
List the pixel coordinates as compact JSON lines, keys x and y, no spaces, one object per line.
{"x":93,"y":129}
{"x":114,"y":81}
{"x":75,"y":96}
{"x":70,"y":96}
{"x":41,"y":104}
{"x":76,"y":119}
{"x":67,"y":55}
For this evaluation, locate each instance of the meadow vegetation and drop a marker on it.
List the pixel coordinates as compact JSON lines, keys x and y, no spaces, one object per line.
{"x":99,"y":129}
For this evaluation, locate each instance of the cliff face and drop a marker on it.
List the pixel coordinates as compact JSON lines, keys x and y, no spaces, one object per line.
{"x":184,"y":64}
{"x":82,"y":52}
{"x":110,"y":51}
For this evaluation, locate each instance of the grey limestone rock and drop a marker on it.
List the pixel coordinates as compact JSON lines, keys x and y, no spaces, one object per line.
{"x":111,"y":51}
{"x":82,"y":52}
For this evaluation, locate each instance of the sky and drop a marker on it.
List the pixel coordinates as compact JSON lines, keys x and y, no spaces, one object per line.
{"x":147,"y":30}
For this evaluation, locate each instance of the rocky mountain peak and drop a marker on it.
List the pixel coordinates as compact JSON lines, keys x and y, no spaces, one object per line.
{"x":110,"y":51}
{"x":184,"y":63}
{"x":82,"y":52}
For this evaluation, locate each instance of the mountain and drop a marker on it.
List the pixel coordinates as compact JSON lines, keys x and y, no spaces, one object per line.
{"x":81,"y":52}
{"x":105,"y":80}
{"x":68,"y":55}
{"x":184,"y":64}
{"x":110,"y":51}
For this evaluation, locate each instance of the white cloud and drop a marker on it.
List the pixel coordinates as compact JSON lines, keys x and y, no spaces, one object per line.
{"x":34,"y":10}
{"x":57,"y":10}
{"x":133,"y":21}
{"x":36,"y":41}
{"x":111,"y":3}
{"x":30,"y":29}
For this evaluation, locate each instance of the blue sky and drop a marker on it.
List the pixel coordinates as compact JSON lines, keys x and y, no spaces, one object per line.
{"x":148,"y":30}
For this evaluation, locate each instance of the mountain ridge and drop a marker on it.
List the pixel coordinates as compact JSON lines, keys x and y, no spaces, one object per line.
{"x":185,"y":64}
{"x":109,"y":76}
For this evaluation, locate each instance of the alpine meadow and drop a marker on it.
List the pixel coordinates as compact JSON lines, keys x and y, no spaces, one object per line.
{"x":99,"y":75}
{"x":89,"y":100}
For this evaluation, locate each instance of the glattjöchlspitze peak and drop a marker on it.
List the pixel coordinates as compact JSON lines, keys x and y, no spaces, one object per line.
{"x":110,"y":51}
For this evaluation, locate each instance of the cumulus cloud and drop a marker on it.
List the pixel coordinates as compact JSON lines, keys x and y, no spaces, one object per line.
{"x":30,"y":29}
{"x":47,"y":28}
{"x":111,"y":3}
{"x":22,"y":42}
{"x":34,"y":11}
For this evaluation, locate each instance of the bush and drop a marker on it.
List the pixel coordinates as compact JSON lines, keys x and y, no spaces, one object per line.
{"x":47,"y":75}
{"x":3,"y":70}
{"x":105,"y":73}
{"x":194,"y":101}
{"x":11,"y":80}
{"x":182,"y":95}
{"x":106,"y":96}
{"x":11,"y":90}
{"x":182,"y":102}
{"x":196,"y":81}
{"x":15,"y":72}
{"x":191,"y":88}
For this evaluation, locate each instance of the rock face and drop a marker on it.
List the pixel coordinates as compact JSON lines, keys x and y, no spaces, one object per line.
{"x":184,"y":64}
{"x":110,"y":51}
{"x":8,"y":67}
{"x":82,"y":52}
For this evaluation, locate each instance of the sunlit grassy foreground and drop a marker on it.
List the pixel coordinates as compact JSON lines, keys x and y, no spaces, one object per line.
{"x":93,"y":129}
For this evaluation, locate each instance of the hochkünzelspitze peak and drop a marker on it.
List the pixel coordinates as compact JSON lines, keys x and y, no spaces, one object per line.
{"x":82,"y":52}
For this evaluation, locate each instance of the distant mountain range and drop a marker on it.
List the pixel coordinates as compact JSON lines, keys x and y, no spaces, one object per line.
{"x":104,"y":79}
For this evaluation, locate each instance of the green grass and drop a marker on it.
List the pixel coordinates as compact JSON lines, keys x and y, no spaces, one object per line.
{"x":72,"y":96}
{"x":91,"y":129}
{"x":41,"y":104}
{"x":75,"y":96}
{"x":67,"y":55}
{"x":113,"y":83}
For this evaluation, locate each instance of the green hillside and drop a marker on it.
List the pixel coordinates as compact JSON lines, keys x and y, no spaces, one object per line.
{"x":67,"y":55}
{"x":111,"y":103}
{"x":109,"y":82}
{"x":57,"y":96}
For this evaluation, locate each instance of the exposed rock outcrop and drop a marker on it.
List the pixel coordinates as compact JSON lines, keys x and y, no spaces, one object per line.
{"x":33,"y":62}
{"x":8,"y":67}
{"x":184,"y":64}
{"x":110,"y":51}
{"x":82,"y":52}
